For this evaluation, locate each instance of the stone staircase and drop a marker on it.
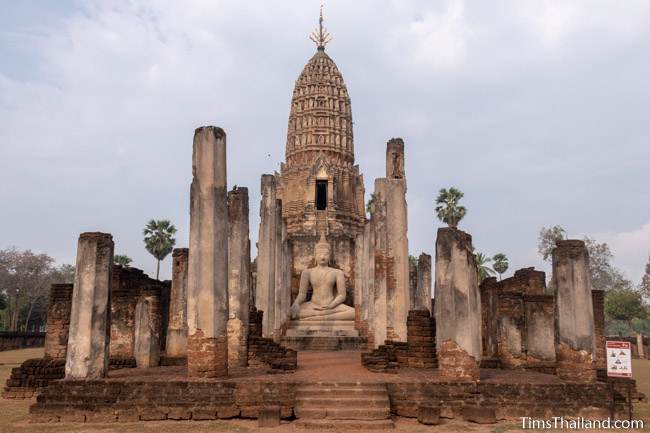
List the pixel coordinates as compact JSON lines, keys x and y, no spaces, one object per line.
{"x":347,"y":406}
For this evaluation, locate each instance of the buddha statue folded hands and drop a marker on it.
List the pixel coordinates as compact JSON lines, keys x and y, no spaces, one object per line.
{"x":328,"y":290}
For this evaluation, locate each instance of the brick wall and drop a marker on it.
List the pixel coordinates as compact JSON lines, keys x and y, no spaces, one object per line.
{"x":58,"y":321}
{"x":21,"y":340}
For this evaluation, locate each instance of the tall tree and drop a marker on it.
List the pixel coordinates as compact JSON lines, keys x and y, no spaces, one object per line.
{"x":24,"y":279}
{"x":448,"y":208}
{"x":547,"y":239}
{"x":122,"y":260}
{"x":482,"y":269}
{"x":644,"y":287}
{"x":500,"y":264}
{"x":159,"y":240}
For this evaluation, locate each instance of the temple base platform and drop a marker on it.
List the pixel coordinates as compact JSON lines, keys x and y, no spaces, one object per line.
{"x":166,"y":393}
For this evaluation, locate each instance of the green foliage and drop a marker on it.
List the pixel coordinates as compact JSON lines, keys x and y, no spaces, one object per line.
{"x":500,"y":263}
{"x":447,"y":208}
{"x":625,"y":305}
{"x":482,"y":268}
{"x":644,"y":287}
{"x":122,"y":260}
{"x":413,"y":260}
{"x":546,"y":240}
{"x":3,"y":301}
{"x":371,"y":202}
{"x":159,"y":240}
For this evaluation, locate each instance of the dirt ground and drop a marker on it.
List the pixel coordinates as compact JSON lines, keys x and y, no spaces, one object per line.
{"x":14,"y":417}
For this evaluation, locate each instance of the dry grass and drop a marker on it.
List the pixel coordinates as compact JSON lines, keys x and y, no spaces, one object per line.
{"x":14,"y":413}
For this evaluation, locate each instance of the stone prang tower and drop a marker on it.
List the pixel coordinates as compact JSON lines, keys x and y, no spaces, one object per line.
{"x":320,"y":187}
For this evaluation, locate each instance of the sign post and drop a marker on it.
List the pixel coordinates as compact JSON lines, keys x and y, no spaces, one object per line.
{"x":619,"y":364}
{"x":619,"y":359}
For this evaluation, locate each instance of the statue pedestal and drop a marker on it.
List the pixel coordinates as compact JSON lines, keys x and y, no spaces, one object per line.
{"x":321,"y":328}
{"x":323,"y":335}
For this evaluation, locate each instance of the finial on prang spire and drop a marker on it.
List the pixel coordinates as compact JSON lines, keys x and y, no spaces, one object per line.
{"x":320,"y":36}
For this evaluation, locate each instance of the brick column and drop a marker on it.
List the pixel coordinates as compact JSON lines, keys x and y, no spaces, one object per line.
{"x":87,"y":354}
{"x":457,"y":306}
{"x":58,"y":321}
{"x":207,"y":284}
{"x":575,"y":338}
{"x":177,"y":329}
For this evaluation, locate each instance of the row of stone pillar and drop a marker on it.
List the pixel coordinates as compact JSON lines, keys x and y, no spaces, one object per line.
{"x":274,"y":262}
{"x":458,"y":309}
{"x":382,"y":292}
{"x":210,"y":295}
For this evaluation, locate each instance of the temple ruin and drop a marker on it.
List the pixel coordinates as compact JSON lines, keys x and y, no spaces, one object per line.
{"x":235,"y":336}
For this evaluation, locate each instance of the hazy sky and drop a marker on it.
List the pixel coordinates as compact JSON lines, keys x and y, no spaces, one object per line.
{"x":538,"y":110}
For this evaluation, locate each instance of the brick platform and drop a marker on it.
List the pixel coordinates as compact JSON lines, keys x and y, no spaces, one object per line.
{"x":418,"y":352}
{"x":166,"y":393}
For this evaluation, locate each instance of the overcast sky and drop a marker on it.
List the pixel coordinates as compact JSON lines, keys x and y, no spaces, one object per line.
{"x":538,"y":110}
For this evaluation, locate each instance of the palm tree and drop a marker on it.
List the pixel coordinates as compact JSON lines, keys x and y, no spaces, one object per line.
{"x":447,"y":207}
{"x":482,"y":268}
{"x":159,"y":240}
{"x":500,"y":263}
{"x":122,"y":260}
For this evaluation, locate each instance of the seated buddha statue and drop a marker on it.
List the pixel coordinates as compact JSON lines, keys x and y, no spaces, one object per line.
{"x":328,"y":290}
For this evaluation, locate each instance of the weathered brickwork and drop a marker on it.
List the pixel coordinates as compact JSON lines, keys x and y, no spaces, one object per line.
{"x":10,"y":340}
{"x":207,"y":356}
{"x":76,"y":401}
{"x":136,"y":400}
{"x":518,"y":322}
{"x":419,"y":351}
{"x":264,"y":352}
{"x":126,"y":290}
{"x":58,"y":321}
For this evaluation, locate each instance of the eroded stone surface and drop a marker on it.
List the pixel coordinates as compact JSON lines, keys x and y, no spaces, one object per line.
{"x":207,"y":291}
{"x":87,"y":353}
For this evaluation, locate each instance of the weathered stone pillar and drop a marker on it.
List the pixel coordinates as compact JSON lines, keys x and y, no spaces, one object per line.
{"x":457,"y":306}
{"x":283,"y":264}
{"x":238,"y":277}
{"x":574,"y":342}
{"x":58,"y":321}
{"x":266,"y":251}
{"x":598,"y":301}
{"x":396,"y":228}
{"x":422,"y":298}
{"x":207,"y":280}
{"x":177,"y":328}
{"x":147,"y":328}
{"x":413,"y":283}
{"x":382,"y":264}
{"x":88,"y":340}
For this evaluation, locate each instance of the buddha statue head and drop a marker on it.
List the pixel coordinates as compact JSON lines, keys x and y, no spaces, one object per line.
{"x":322,"y":251}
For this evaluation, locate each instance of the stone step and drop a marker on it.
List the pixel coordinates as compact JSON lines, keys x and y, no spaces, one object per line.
{"x":343,"y":414}
{"x":347,"y":393}
{"x":344,"y":425}
{"x":362,"y":400}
